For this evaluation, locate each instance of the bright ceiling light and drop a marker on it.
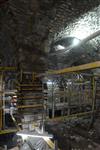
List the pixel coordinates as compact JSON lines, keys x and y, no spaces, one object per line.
{"x":25,"y":136}
{"x":76,"y":42}
{"x":49,"y":82}
{"x":59,"y":47}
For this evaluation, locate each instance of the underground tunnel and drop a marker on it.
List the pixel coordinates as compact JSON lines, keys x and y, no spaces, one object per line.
{"x":49,"y":75}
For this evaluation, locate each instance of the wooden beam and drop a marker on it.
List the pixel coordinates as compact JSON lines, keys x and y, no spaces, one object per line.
{"x":88,"y":66}
{"x":30,"y":106}
{"x":8,"y":68}
{"x":50,"y":143}
{"x":73,"y":116}
{"x":30,"y":97}
{"x":8,"y":131}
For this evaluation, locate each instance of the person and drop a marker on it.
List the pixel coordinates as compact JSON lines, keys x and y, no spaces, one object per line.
{"x":10,"y":109}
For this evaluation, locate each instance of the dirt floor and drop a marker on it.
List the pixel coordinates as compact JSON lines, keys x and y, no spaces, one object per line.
{"x":76,"y":135}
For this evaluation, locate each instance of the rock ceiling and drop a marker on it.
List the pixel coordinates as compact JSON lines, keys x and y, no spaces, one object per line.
{"x":27,"y":28}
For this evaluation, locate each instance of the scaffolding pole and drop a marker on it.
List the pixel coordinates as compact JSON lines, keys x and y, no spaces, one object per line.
{"x":53,"y":105}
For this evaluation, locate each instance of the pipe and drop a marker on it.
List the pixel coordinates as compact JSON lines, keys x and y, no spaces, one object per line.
{"x":93,"y":101}
{"x":90,"y":37}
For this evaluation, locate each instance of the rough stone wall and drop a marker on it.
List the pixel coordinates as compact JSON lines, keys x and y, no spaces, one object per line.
{"x":32,"y":25}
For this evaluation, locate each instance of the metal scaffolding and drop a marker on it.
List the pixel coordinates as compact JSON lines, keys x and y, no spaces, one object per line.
{"x":74,"y":91}
{"x":30,"y":99}
{"x":4,"y":92}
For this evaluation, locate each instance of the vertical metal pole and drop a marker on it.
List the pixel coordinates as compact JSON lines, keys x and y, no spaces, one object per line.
{"x":64,"y":100}
{"x":56,"y":145}
{"x":21,"y":77}
{"x":3,"y":100}
{"x":69,"y":99}
{"x":53,"y":110}
{"x":43,"y":111}
{"x":93,"y":94}
{"x":1,"y":103}
{"x":93,"y":100}
{"x":47,"y":106}
{"x":80,"y":96}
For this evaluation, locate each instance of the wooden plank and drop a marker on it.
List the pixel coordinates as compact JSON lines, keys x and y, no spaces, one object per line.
{"x":88,"y":66}
{"x":7,"y":131}
{"x":29,"y":106}
{"x":31,"y":85}
{"x":8,"y":68}
{"x":50,"y":143}
{"x":30,"y":97}
{"x":73,"y":116}
{"x":30,"y":89}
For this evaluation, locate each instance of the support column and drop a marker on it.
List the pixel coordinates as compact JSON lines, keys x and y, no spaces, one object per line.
{"x":56,"y":145}
{"x":93,"y":100}
{"x":53,"y":105}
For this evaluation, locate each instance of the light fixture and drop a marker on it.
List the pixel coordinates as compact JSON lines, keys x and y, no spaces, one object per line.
{"x":59,"y":47}
{"x":49,"y":82}
{"x":76,"y":42}
{"x":25,"y":135}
